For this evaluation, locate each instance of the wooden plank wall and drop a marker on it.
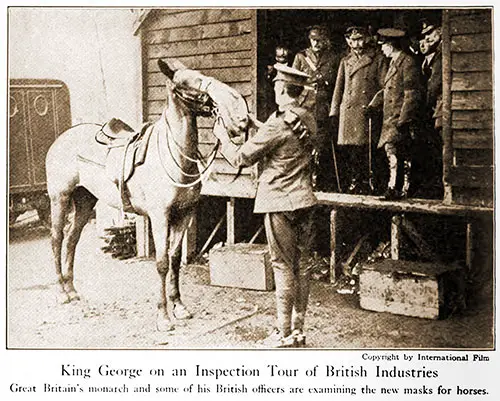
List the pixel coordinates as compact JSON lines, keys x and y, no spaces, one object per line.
{"x":469,"y":174}
{"x":217,"y":42}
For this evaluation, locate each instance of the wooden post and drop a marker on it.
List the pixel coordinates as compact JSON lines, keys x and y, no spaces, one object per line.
{"x":189,"y":241}
{"x":424,"y":248}
{"x":395,"y":236}
{"x":211,"y":236}
{"x":142,"y":235}
{"x":469,"y":245}
{"x":333,"y":245}
{"x":230,"y":221}
{"x":346,"y":267}
{"x":255,"y":236}
{"x":447,"y":131}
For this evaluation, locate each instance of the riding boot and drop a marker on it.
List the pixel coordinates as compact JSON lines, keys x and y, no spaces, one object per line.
{"x":286,"y":290}
{"x":301,"y":300}
{"x":392,"y":193}
{"x":406,"y":179}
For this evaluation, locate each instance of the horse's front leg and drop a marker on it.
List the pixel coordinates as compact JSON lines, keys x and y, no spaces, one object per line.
{"x":159,"y":226}
{"x":179,"y":221}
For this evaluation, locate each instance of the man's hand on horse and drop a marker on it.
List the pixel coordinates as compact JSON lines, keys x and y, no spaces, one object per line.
{"x":254,"y":122}
{"x":220,"y":131}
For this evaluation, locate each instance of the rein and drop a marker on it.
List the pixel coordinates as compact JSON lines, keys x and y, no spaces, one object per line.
{"x":200,"y":103}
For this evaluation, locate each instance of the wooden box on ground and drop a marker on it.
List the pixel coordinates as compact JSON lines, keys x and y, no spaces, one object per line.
{"x":427,"y":290}
{"x":243,"y":266}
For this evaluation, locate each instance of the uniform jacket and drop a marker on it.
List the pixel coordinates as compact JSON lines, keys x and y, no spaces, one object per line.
{"x":400,"y":98}
{"x":433,"y":76}
{"x":284,"y":183}
{"x":358,"y":80}
{"x":323,"y":72}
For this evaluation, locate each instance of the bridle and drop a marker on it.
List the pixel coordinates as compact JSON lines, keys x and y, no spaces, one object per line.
{"x":200,"y":104}
{"x":197,"y":101}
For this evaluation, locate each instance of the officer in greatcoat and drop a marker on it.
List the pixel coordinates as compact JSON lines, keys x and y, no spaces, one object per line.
{"x":361,"y":75}
{"x":321,"y":64}
{"x":400,"y":99}
{"x":283,"y":146}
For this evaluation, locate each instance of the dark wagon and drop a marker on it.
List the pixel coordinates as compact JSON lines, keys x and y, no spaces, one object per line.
{"x":39,"y":111}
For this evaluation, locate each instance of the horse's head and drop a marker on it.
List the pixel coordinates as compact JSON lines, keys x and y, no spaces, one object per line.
{"x":204,"y":95}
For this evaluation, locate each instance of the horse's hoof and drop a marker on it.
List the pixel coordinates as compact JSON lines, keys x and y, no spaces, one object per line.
{"x":63,"y":298}
{"x":73,"y":296}
{"x":163,"y":323}
{"x":180,"y":312}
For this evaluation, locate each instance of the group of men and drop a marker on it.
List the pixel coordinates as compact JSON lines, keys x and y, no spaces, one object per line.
{"x":296,"y":146}
{"x":386,"y":98}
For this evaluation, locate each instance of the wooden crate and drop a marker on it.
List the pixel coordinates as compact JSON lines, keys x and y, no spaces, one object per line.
{"x":243,"y":266}
{"x":427,"y":290}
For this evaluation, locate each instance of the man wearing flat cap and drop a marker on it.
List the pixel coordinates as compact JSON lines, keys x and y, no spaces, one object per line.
{"x":283,"y":146}
{"x":432,"y":69}
{"x":431,"y":142}
{"x":361,"y":75}
{"x":321,"y":64}
{"x":400,"y":100}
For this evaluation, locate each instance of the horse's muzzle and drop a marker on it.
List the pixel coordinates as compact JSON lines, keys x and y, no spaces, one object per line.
{"x":197,"y":101}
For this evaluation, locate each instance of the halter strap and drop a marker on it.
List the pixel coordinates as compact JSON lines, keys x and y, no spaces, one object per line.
{"x":201,"y":175}
{"x":199,"y":102}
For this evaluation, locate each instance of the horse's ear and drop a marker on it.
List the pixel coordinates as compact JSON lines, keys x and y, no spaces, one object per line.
{"x":165,"y":69}
{"x":170,"y":66}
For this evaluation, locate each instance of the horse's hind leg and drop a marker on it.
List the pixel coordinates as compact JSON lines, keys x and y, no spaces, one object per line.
{"x":179,"y":221}
{"x":59,"y":208}
{"x":84,"y":203}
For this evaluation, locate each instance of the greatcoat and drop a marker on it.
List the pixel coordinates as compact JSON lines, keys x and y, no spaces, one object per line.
{"x":358,"y":80}
{"x":401,"y":99}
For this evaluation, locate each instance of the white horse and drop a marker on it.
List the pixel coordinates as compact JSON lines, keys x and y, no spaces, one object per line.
{"x":166,"y":187}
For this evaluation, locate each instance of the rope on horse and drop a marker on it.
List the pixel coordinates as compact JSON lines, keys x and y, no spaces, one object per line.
{"x":201,"y":176}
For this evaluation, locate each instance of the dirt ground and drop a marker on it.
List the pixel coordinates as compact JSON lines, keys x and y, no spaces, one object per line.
{"x":119,"y":298}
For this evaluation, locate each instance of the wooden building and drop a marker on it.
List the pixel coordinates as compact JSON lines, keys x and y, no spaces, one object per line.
{"x":468,"y":106}
{"x":236,"y":45}
{"x":217,"y":42}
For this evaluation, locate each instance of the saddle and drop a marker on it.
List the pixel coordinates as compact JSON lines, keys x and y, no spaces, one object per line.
{"x":115,"y":133}
{"x":126,"y":150}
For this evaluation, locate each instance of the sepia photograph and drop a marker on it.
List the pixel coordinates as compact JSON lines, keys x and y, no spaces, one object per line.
{"x":250,"y":178}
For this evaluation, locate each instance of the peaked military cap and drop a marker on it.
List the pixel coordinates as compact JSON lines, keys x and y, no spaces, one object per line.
{"x":355,"y":32}
{"x":317,"y":32}
{"x":289,"y":74}
{"x":390,"y":35}
{"x":427,"y":26}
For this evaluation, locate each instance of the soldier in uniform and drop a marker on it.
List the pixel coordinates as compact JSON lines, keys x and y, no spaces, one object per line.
{"x":361,"y":75}
{"x":432,"y":70}
{"x":431,"y":144}
{"x":321,"y":64}
{"x":283,"y":146}
{"x":400,"y":99}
